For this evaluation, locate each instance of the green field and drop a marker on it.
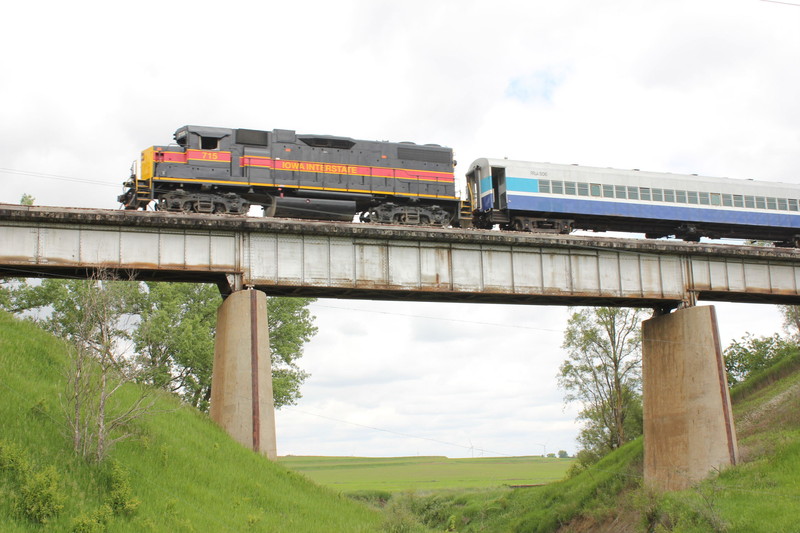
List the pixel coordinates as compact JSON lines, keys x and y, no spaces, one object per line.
{"x":394,"y":474}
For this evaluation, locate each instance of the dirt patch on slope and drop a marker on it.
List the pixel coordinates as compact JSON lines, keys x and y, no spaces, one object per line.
{"x":626,"y":521}
{"x":779,"y":411}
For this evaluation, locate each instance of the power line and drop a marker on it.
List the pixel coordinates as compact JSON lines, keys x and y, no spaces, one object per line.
{"x":402,"y":434}
{"x":57,"y":177}
{"x":778,"y":2}
{"x":495,"y":324}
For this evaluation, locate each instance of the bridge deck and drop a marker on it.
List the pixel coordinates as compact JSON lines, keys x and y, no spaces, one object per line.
{"x":290,"y":257}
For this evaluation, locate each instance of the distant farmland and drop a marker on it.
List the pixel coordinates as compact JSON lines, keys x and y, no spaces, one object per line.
{"x":394,"y":474}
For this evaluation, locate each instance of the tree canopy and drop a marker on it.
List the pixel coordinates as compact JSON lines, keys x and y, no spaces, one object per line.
{"x":751,"y":354}
{"x":603,"y":373}
{"x":172,"y":328}
{"x":791,"y":320}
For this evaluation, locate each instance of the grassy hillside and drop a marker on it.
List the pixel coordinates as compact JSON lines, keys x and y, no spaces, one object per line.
{"x":761,"y":494}
{"x":183,"y":471}
{"x":394,"y":474}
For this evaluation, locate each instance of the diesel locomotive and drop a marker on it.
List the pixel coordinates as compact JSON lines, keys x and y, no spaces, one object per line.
{"x":323,"y":177}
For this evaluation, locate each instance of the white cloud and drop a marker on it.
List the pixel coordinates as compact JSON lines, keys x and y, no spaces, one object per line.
{"x":683,"y":86}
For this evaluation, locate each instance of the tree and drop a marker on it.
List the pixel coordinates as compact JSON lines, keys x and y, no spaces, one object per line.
{"x":18,"y":296}
{"x":26,"y":199}
{"x":172,"y":330}
{"x":603,"y":372}
{"x":791,"y":320}
{"x":93,"y":314}
{"x":175,"y":340}
{"x":291,"y":326}
{"x":751,"y":354}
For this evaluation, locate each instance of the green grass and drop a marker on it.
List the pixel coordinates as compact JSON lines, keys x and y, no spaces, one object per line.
{"x":759,"y":495}
{"x":353,"y":474}
{"x":538,"y":509}
{"x":187,"y":474}
{"x":762,"y":493}
{"x":786,"y":366}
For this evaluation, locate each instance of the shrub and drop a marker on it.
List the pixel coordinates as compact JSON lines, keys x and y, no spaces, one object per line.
{"x":13,"y":460}
{"x":96,"y":523}
{"x":40,"y":497}
{"x":398,"y":519}
{"x":374,"y":497}
{"x":120,"y":498}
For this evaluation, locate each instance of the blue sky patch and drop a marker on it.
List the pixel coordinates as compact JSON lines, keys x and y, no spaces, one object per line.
{"x":538,"y":86}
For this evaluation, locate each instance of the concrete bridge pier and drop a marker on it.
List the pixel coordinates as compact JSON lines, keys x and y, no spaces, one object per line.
{"x":688,"y":423}
{"x":241,"y":383}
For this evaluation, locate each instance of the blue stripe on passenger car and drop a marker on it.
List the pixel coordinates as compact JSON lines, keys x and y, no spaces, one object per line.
{"x":522,"y":184}
{"x":652,"y":211}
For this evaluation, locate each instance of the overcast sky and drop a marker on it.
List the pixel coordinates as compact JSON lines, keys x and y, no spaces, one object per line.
{"x":700,"y":86}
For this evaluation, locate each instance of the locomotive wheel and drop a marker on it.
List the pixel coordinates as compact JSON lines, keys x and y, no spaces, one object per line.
{"x":187,"y":207}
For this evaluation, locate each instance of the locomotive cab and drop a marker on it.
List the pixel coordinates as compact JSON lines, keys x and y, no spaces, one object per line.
{"x":197,"y":138}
